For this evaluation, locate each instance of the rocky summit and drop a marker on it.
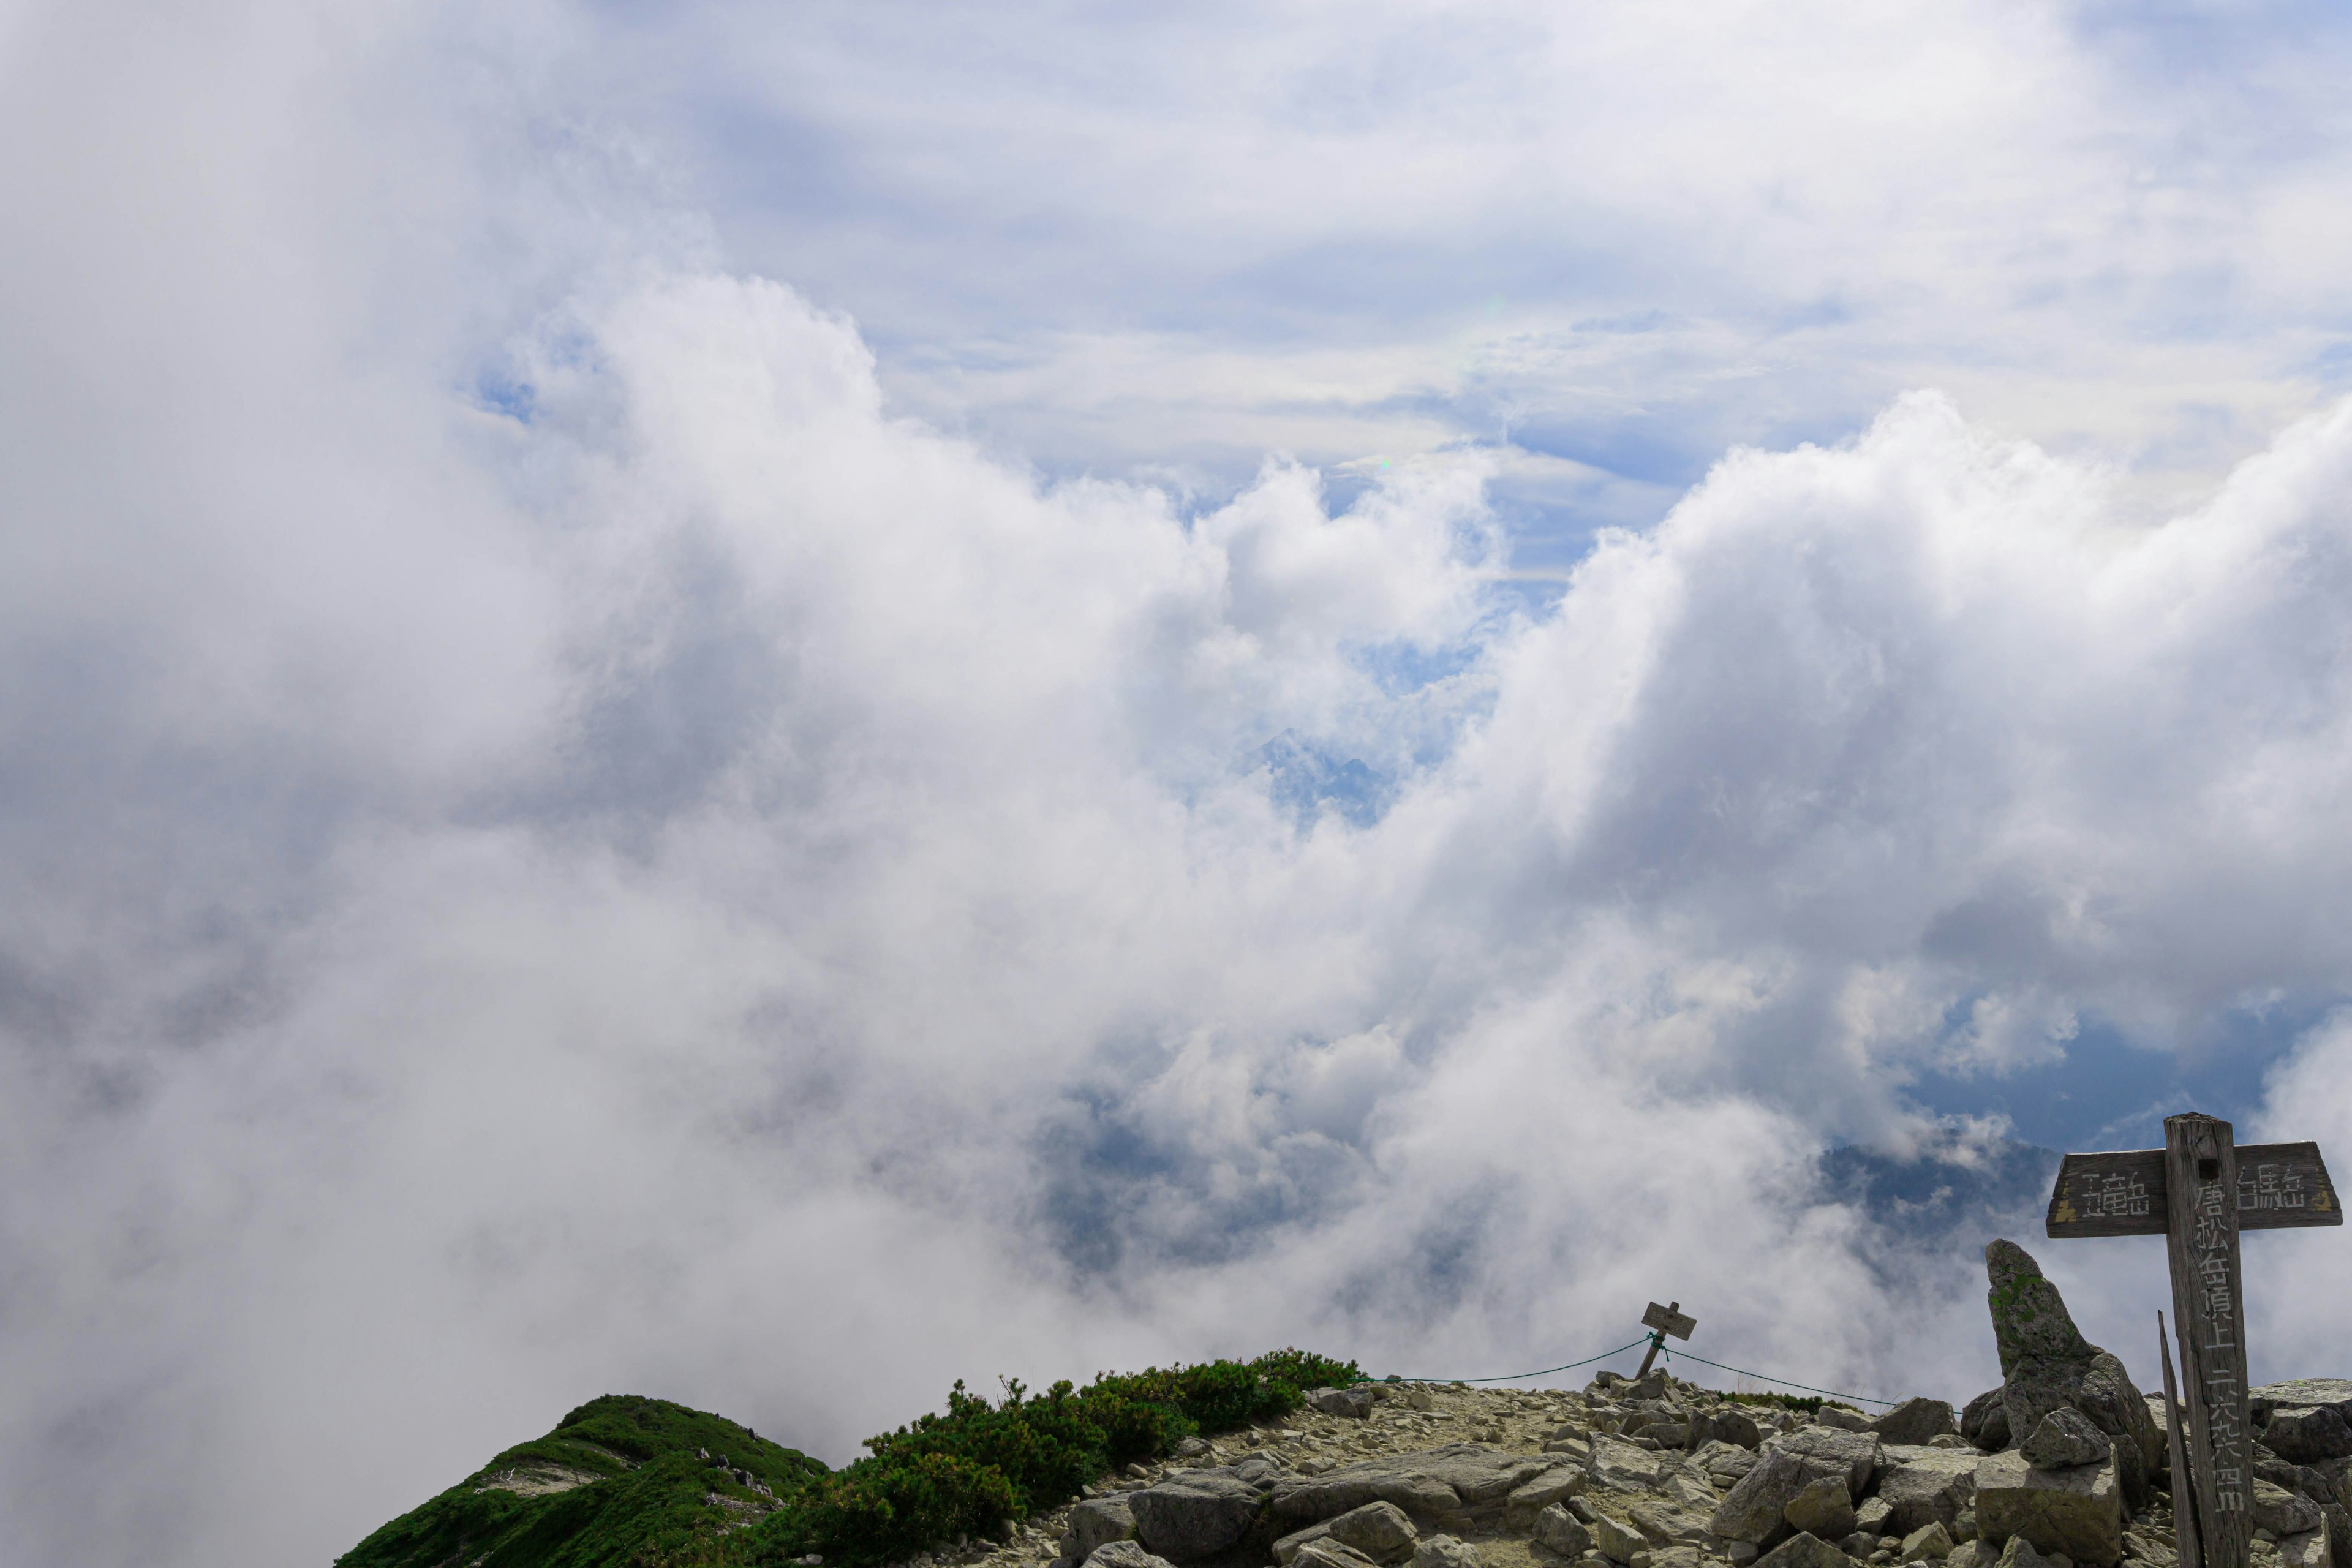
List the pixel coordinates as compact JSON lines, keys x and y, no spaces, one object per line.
{"x":2063,"y":1466}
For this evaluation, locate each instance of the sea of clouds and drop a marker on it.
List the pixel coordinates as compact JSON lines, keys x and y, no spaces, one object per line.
{"x":556,"y":841}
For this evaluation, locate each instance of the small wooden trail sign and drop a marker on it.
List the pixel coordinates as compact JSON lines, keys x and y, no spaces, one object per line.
{"x":2199,"y":1192}
{"x":1666,"y":1319}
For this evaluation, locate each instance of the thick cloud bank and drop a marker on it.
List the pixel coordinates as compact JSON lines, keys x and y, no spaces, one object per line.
{"x":612,"y":861}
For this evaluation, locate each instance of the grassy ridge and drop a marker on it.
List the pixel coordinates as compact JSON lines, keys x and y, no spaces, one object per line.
{"x":646,"y":1493}
{"x":647,"y":1505}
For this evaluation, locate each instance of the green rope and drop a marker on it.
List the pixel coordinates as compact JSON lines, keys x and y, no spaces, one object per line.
{"x":1511,"y":1377}
{"x":1783,"y":1382}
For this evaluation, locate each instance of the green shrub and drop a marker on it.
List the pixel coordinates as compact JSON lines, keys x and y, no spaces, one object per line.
{"x":976,"y":1466}
{"x":1808,"y":1403}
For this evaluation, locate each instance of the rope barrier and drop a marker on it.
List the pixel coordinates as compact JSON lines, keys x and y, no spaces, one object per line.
{"x":1514,"y":1376}
{"x":1621,"y":1350}
{"x":1783,"y":1382}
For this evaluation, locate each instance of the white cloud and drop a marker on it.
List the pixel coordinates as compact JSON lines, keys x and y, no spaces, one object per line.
{"x":687,"y":878}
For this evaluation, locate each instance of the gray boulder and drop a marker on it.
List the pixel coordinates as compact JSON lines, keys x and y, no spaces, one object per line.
{"x":2019,"y":1552}
{"x":1290,"y":1545}
{"x":2283,"y":1512}
{"x":2307,"y":1433}
{"x":1985,"y":1421}
{"x":1823,"y":1507}
{"x":1196,"y":1515}
{"x":1927,"y":1485}
{"x":1857,"y":1452}
{"x":1444,"y":1552}
{"x":1726,"y":1462}
{"x":1804,"y":1552}
{"x":2065,"y":1438}
{"x":1355,"y":1403}
{"x":1095,"y":1522}
{"x":2077,"y":1513}
{"x":1325,"y":1552}
{"x":1379,"y":1529}
{"x":1928,"y":1543}
{"x":2309,"y":1550}
{"x":1124,"y":1554}
{"x":1873,"y":1516}
{"x":1615,"y":1538}
{"x":1755,"y":1508}
{"x":1618,"y":1464}
{"x":1724,"y":1424}
{"x":1434,"y":1481}
{"x":1553,"y":1487}
{"x":1558,"y":1530}
{"x":1915,"y":1421}
{"x":1845,"y":1420}
{"x":2046,"y":1364}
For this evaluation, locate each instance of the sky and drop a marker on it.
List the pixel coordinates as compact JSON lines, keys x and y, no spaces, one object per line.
{"x":770,"y":705}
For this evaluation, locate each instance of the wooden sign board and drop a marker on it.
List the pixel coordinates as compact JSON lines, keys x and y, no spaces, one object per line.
{"x":2199,"y":1192}
{"x":1667,"y":1320}
{"x":2279,"y":1185}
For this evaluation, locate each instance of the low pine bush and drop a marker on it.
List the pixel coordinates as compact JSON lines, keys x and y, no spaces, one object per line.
{"x":976,"y":1467}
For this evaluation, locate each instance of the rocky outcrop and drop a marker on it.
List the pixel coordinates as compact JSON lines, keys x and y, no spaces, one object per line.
{"x":1197,"y":1515}
{"x":2047,"y":1365}
{"x":2076,"y":1512}
{"x":1915,"y":1422}
{"x":2065,"y":1438}
{"x":2307,"y":1421}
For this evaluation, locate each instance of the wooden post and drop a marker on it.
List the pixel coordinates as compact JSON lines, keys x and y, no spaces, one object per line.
{"x":2197,"y":1192}
{"x":2208,"y":1314}
{"x":2176,"y":1440}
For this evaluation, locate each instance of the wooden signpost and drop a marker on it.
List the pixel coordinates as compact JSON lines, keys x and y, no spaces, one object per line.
{"x":1666,"y":1319}
{"x":2199,"y":1192}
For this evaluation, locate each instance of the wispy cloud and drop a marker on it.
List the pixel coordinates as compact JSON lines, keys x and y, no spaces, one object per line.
{"x":622,"y":777}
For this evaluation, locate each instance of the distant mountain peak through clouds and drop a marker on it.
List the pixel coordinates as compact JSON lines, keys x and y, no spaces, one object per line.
{"x":817,"y":828}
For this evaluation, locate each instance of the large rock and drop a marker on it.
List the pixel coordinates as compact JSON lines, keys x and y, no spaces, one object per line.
{"x":1555,"y":1485}
{"x":1434,"y":1481}
{"x":1196,"y":1515}
{"x":1124,"y":1554}
{"x":2078,"y":1513}
{"x":1856,"y":1452}
{"x":1927,"y":1485}
{"x":1726,"y":1462}
{"x":1617,"y":1538}
{"x":2306,"y":1434}
{"x":1754,"y":1509}
{"x":1618,"y":1464}
{"x":2046,"y":1365}
{"x":1928,"y":1543}
{"x":1095,"y":1522}
{"x":1845,"y":1420}
{"x":1915,"y":1421}
{"x":2065,"y":1438}
{"x":1556,"y":1530}
{"x":1985,"y":1421}
{"x":1325,"y":1552}
{"x":2283,"y":1512}
{"x":2339,"y":1531}
{"x":1724,"y":1424}
{"x":1804,"y":1552}
{"x":1379,"y":1529}
{"x":2301,"y":1393}
{"x":2311,"y":1549}
{"x":1355,"y":1403}
{"x":1444,"y":1552}
{"x":1823,"y":1507}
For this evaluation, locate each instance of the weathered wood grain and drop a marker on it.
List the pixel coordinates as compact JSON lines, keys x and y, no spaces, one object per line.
{"x":2184,"y":1492}
{"x":2279,"y":1187}
{"x":1669,"y":1321}
{"x":2201,"y":1172}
